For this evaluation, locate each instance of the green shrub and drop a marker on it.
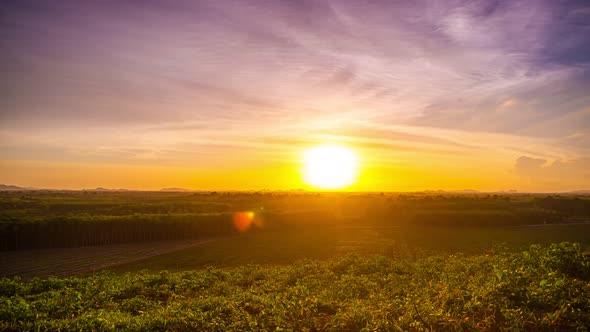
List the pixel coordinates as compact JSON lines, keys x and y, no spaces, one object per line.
{"x":540,"y":289}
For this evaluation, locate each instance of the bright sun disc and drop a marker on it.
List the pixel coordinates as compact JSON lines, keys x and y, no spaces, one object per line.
{"x":330,"y":167}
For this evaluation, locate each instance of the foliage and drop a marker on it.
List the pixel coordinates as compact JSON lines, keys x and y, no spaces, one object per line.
{"x":540,"y":289}
{"x":46,"y":219}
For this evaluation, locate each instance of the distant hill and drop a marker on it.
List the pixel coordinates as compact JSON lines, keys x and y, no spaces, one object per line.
{"x":175,"y":190}
{"x":510,"y":191}
{"x":579,"y":192}
{"x":466,"y":191}
{"x":7,"y":187}
{"x":104,"y":189}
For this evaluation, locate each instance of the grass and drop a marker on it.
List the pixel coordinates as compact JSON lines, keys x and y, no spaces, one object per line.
{"x":70,"y":261}
{"x":285,"y":247}
{"x":539,"y":289}
{"x":324,"y":243}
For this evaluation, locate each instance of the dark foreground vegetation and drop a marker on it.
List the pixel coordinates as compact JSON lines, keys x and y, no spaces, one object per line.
{"x":36,"y":220}
{"x":540,"y":289}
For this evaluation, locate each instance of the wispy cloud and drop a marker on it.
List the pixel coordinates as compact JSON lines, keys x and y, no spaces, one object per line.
{"x":157,"y":81}
{"x":559,"y":174}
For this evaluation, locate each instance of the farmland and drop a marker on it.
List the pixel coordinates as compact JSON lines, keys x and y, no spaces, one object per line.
{"x":537,"y":289}
{"x":301,"y":261}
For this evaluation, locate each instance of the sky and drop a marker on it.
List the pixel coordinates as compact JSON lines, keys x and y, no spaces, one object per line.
{"x":227,"y":95}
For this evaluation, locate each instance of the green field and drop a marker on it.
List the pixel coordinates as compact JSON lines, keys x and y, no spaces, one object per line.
{"x":306,"y":262}
{"x":538,"y":289}
{"x":286,"y":248}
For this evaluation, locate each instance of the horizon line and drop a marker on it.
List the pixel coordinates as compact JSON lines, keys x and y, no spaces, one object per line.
{"x":15,"y":188}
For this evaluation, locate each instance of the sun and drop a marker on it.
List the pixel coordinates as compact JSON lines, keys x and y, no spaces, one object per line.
{"x":330,"y":167}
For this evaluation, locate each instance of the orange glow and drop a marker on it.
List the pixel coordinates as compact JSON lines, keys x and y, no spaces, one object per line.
{"x":243,"y":220}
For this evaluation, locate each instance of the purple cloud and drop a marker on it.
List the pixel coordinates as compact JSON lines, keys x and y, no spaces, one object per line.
{"x":284,"y":69}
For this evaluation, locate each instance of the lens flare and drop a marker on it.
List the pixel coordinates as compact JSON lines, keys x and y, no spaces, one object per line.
{"x":245,"y":219}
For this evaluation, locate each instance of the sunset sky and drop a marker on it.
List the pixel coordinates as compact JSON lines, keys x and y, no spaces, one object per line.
{"x":227,"y":95}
